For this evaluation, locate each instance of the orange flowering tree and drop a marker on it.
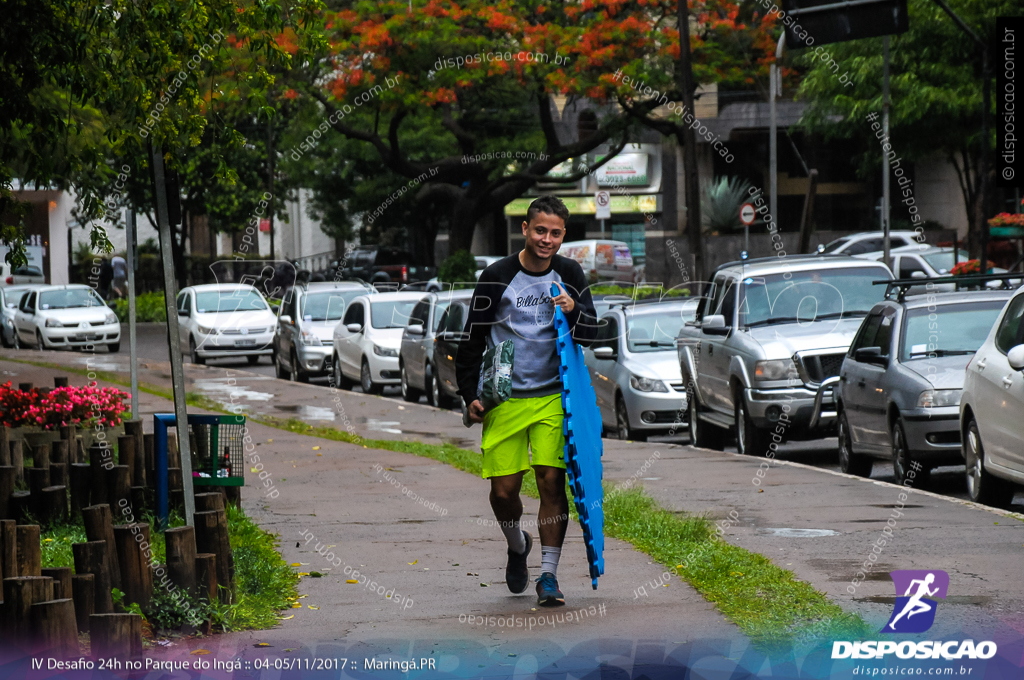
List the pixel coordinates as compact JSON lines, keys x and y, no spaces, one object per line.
{"x":457,"y":96}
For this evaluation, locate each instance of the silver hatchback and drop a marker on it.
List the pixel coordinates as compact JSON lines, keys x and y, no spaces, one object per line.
{"x":635,"y":371}
{"x":415,"y":358}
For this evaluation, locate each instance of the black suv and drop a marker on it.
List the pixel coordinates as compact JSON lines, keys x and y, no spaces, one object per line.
{"x":379,"y":264}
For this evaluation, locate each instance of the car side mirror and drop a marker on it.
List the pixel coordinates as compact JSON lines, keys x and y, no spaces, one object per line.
{"x":1015,"y":357}
{"x":285,"y":318}
{"x":714,"y":324}
{"x":452,"y":336}
{"x":182,"y":312}
{"x":275,"y":308}
{"x":918,"y":275}
{"x":354,"y":327}
{"x":416,"y":329}
{"x":604,"y":353}
{"x":871,"y":355}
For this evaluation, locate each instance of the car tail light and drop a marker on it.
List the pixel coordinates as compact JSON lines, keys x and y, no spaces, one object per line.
{"x":10,"y":279}
{"x":405,"y":274}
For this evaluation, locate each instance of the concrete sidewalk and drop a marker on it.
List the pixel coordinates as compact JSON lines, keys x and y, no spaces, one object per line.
{"x":819,"y":524}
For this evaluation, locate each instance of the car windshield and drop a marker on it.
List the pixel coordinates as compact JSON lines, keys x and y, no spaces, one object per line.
{"x":654,"y":332}
{"x":70,"y":298}
{"x":391,"y":313}
{"x":328,"y":305}
{"x":943,"y":262}
{"x":948,"y":330}
{"x":808,"y":296}
{"x":835,"y":245}
{"x":223,"y":301}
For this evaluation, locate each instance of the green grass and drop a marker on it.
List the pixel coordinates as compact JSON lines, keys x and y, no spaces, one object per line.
{"x":768,"y":603}
{"x":55,"y":544}
{"x":639,"y":292}
{"x":149,"y":308}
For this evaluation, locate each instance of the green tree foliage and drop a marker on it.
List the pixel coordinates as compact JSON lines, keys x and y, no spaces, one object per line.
{"x":936,"y":92}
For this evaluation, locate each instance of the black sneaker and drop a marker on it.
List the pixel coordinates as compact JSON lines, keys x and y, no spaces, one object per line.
{"x":517,"y":575}
{"x":548,"y":594}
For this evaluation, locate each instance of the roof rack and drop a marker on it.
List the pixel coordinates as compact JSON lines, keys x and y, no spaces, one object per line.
{"x":773,"y":258}
{"x":902,"y":285}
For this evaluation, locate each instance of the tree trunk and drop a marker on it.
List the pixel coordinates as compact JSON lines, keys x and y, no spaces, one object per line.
{"x":462,"y":224}
{"x":684,"y":79}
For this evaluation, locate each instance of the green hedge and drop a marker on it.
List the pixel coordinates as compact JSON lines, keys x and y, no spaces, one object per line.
{"x":149,"y":308}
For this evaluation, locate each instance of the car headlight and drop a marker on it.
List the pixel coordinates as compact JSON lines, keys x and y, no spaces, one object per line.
{"x":646,"y":384}
{"x":309,"y":338}
{"x":53,"y":323}
{"x":935,"y":398}
{"x":110,"y":318}
{"x":203,"y":330}
{"x":776,"y":369}
{"x":385,"y":351}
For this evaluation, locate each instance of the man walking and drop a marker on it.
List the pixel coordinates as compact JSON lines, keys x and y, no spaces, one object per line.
{"x":513,"y":301}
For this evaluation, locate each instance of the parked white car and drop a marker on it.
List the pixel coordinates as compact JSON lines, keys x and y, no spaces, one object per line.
{"x":55,"y":317}
{"x":992,"y":409}
{"x":26,"y":273}
{"x":225,"y":320}
{"x":10,"y":298}
{"x":868,"y":242}
{"x":367,"y":341}
{"x":925,"y":262}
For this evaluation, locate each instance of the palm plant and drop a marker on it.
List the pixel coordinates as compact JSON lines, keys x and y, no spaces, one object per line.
{"x":721,"y":199}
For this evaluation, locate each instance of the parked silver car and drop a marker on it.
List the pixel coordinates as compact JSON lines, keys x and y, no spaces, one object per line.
{"x":416,"y":356}
{"x":992,"y":410}
{"x":634,"y":368}
{"x":899,"y":388}
{"x":305,"y":326}
{"x":10,"y":298}
{"x":768,"y":334}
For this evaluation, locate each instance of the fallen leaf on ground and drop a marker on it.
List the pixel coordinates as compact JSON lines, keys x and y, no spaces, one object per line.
{"x":485,"y":585}
{"x":413,"y":562}
{"x":199,"y":652}
{"x":316,"y":448}
{"x":319,"y":454}
{"x":351,"y":580}
{"x":312,"y":606}
{"x":303,"y":573}
{"x":302,"y":596}
{"x":285,"y":618}
{"x":296,"y":564}
{"x":262,"y":644}
{"x":315,"y":574}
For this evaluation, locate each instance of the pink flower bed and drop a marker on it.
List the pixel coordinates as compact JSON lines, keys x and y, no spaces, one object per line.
{"x":89,"y":406}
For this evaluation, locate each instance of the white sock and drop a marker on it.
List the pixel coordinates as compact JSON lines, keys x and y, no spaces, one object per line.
{"x":549,"y":559}
{"x":514,"y":536}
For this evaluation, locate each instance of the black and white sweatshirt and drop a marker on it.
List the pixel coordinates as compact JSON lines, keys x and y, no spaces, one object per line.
{"x":511,"y":302}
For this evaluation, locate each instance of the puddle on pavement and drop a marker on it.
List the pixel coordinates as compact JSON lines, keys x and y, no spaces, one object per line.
{"x":220,"y":389}
{"x":889,"y":506}
{"x":305,"y":412}
{"x":93,"y":364}
{"x":798,"y":533}
{"x":391,"y":426}
{"x":979,"y":600}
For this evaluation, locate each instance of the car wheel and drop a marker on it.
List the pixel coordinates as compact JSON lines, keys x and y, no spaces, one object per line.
{"x":437,"y":395}
{"x":850,"y":462}
{"x":702,"y":434}
{"x":295,"y":372}
{"x":409,"y":393}
{"x":17,"y":339}
{"x":982,"y":486}
{"x":253,"y":359}
{"x":114,"y":347}
{"x":622,"y":429}
{"x":194,"y":352}
{"x":366,"y":380}
{"x":750,"y":439}
{"x":340,"y":381}
{"x":279,"y":370}
{"x":904,"y":467}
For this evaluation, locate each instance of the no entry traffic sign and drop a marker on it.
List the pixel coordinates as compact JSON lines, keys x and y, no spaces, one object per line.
{"x":747,"y":214}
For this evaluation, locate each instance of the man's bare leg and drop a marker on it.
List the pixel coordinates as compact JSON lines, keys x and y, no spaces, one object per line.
{"x":508,"y":510}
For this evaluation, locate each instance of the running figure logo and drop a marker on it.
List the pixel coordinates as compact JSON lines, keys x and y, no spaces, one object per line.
{"x":915,"y":611}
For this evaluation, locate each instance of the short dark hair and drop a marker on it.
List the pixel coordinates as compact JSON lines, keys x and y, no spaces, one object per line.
{"x":552,"y":205}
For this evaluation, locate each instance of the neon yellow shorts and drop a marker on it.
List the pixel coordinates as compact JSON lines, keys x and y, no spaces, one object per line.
{"x":519,"y":433}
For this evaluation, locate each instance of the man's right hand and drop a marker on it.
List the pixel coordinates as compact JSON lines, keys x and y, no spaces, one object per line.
{"x":476,"y":411}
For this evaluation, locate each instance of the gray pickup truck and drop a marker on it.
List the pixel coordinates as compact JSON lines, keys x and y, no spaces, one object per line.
{"x":767,"y":344}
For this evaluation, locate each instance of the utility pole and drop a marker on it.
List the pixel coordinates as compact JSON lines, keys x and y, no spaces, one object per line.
{"x":684,"y":80}
{"x":775,"y":87}
{"x":885,"y":157}
{"x":133,"y":263}
{"x":270,"y":178}
{"x":173,"y":338}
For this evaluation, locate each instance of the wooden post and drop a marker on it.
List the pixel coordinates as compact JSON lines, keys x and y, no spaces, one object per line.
{"x":99,"y":461}
{"x":41,"y":456}
{"x":54,"y":631}
{"x":38,"y":479}
{"x":119,"y":492}
{"x":82,"y":456}
{"x":134,"y":428}
{"x":21,"y":505}
{"x":206,"y":575}
{"x":80,"y":476}
{"x":8,"y":549}
{"x":58,"y":475}
{"x":91,"y":558}
{"x":148,"y":444}
{"x":83,"y":590}
{"x":5,"y":446}
{"x":98,"y":527}
{"x":181,"y":557}
{"x":175,"y":489}
{"x":138,"y":496}
{"x":115,"y":636}
{"x":126,"y":456}
{"x":212,"y":537}
{"x":61,"y":581}
{"x":133,"y":566}
{"x":6,"y":490}
{"x":53,"y":505}
{"x":59,"y":452}
{"x":25,"y":387}
{"x":209,"y":501}
{"x":233,"y":496}
{"x":20,"y":593}
{"x":30,"y":555}
{"x":17,"y":460}
{"x":173,"y":452}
